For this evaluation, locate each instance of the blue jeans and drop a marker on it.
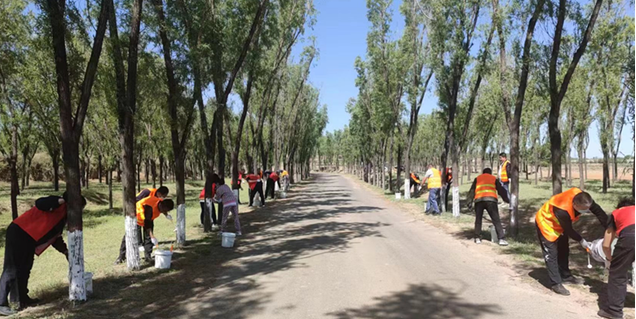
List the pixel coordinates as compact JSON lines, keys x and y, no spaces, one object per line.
{"x":506,"y":186}
{"x":433,"y":195}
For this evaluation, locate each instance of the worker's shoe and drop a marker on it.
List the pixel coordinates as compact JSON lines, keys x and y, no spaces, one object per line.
{"x":119,"y":260}
{"x":503,"y":242}
{"x":6,"y":311}
{"x":573,"y":280}
{"x":239,"y":234}
{"x":558,"y":288}
{"x":477,"y":240}
{"x":215,"y":227}
{"x":606,"y":314}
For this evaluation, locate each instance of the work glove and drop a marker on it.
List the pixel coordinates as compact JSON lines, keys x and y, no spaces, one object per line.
{"x":169,"y":217}
{"x":585,"y":244}
{"x":154,"y":241}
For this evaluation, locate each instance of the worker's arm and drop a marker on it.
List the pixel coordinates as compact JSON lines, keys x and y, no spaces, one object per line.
{"x":502,"y":191}
{"x":149,"y":224}
{"x":49,"y":203}
{"x":599,"y":213}
{"x":60,"y":246}
{"x":566,"y":224}
{"x":471,"y":193}
{"x":610,"y":234}
{"x":508,"y":171}
{"x":143,"y":194}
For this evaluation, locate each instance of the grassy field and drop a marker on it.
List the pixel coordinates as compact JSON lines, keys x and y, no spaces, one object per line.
{"x":525,"y":248}
{"x":103,"y":231}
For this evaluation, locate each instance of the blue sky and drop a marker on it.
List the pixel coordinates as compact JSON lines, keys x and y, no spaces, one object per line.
{"x":341,"y":31}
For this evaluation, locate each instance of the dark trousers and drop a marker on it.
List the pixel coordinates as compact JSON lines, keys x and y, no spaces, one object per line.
{"x":143,"y":239}
{"x":622,"y":260}
{"x":212,"y":214}
{"x":556,"y":256}
{"x":269,"y":189}
{"x":19,"y":251}
{"x":257,"y":189}
{"x":493,"y":212}
{"x":446,"y":191}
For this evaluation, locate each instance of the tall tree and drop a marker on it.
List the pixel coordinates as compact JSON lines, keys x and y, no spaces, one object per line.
{"x":71,"y":126}
{"x":126,"y":107}
{"x":557,"y":90}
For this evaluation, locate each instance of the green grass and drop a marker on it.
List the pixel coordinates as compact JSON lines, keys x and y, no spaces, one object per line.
{"x":103,"y":231}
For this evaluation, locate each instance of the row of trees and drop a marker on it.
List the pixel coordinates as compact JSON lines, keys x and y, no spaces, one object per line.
{"x":525,"y":77}
{"x":175,"y":86}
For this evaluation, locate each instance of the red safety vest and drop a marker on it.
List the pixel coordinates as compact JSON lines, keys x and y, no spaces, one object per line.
{"x":252,"y":179}
{"x":38,"y":223}
{"x":273,"y":176}
{"x":202,"y":195}
{"x":623,"y":217}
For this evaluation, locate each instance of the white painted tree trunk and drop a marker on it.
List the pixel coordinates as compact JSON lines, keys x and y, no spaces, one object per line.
{"x":208,"y":203}
{"x":77,"y":288}
{"x":407,"y":188}
{"x":132,"y":247}
{"x":181,"y":236}
{"x":455,"y":201}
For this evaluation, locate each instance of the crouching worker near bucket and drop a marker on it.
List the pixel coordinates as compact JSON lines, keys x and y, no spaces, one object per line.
{"x":554,"y":225}
{"x":28,"y":235}
{"x":148,"y":209}
{"x":621,"y":225}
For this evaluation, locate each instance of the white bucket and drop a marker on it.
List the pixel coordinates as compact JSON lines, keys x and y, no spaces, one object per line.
{"x":227,"y":239}
{"x":283,"y":195}
{"x":88,"y":282}
{"x":163,"y":258}
{"x":257,"y":201}
{"x":398,"y":195}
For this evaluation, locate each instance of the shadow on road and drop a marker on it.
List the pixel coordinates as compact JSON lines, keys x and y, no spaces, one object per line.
{"x":420,"y":301}
{"x":207,"y":280}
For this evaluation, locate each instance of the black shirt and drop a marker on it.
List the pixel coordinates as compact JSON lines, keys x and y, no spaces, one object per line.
{"x":566,"y":221}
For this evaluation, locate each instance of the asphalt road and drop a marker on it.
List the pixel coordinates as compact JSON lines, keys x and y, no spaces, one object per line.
{"x":335,"y":250}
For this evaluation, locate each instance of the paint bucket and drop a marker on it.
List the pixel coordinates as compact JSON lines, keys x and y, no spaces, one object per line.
{"x":257,"y":201}
{"x":493,"y":234}
{"x":227,"y":240}
{"x":398,"y":195}
{"x":163,"y":258}
{"x":88,"y":282}
{"x":283,"y":195}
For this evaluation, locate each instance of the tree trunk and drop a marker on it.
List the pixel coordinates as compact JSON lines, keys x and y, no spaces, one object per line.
{"x":25,"y":152}
{"x":56,"y":170}
{"x":147,"y":170}
{"x":581,"y":156}
{"x":153,"y":170}
{"x":606,"y":170}
{"x":126,"y":107}
{"x":13,"y":161}
{"x":99,"y":168}
{"x":161,"y":170}
{"x":110,"y":188}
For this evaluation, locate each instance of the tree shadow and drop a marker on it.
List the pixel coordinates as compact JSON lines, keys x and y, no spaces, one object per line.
{"x":420,"y":301}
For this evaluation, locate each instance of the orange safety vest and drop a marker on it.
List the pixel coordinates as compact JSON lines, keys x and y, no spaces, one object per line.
{"x":436,"y":180}
{"x":503,"y":174}
{"x":548,"y":222}
{"x":414,"y":178}
{"x":486,"y":186}
{"x":153,"y":192}
{"x":38,"y":223}
{"x":148,"y":201}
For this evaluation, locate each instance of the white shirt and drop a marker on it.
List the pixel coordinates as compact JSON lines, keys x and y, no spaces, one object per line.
{"x":429,"y":173}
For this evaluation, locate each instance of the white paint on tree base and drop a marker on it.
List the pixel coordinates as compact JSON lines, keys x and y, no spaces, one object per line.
{"x":77,"y":288}
{"x":407,"y":188}
{"x":132,"y":246}
{"x":181,"y":236}
{"x":455,"y":201}
{"x":208,"y":203}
